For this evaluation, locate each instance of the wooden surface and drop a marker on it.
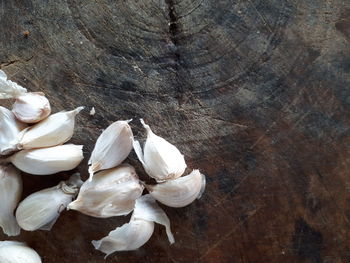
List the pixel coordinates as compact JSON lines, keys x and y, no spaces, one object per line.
{"x":255,"y":93}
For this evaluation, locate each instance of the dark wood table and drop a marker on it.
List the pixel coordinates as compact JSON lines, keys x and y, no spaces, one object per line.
{"x":254,"y":93}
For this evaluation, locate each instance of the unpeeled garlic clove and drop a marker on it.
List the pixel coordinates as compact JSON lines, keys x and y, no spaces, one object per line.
{"x":161,"y":160}
{"x":31,"y":107}
{"x":112,"y":147}
{"x":40,"y":210}
{"x":179,"y":192}
{"x":17,"y":252}
{"x":46,"y":161}
{"x":138,"y":231}
{"x":9,"y":130}
{"x":111,"y":192}
{"x":10,"y":194}
{"x":8,"y":88}
{"x":54,"y":130}
{"x":146,"y":208}
{"x":130,"y":236}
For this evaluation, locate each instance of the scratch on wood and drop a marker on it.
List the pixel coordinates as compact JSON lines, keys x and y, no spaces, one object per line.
{"x":216,"y":244}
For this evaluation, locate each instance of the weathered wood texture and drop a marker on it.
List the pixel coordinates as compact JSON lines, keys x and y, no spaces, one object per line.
{"x":255,"y":93}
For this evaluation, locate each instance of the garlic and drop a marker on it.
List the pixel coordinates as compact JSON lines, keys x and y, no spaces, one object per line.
{"x":112,"y":147}
{"x":92,"y":111}
{"x":8,"y":88}
{"x":128,"y":237}
{"x":40,"y":210}
{"x":46,"y":161}
{"x":10,"y":194}
{"x":111,"y":192}
{"x":31,"y":107}
{"x":9,"y":130}
{"x":138,"y":231}
{"x":161,"y":160}
{"x":54,"y":130}
{"x":17,"y":252}
{"x":146,"y":208}
{"x":181,"y":191}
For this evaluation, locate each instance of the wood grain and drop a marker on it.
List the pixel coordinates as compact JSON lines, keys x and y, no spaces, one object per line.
{"x":254,"y":93}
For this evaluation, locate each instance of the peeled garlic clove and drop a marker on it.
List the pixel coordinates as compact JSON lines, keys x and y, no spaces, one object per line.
{"x":112,"y":147}
{"x":10,"y":194}
{"x":9,"y":130}
{"x":31,"y":107}
{"x":181,"y":191}
{"x":8,"y":88}
{"x":146,"y":208}
{"x":128,"y":237}
{"x":54,"y":130}
{"x":161,"y":159}
{"x":40,"y":210}
{"x":46,"y":161}
{"x":111,"y":192}
{"x":17,"y":252}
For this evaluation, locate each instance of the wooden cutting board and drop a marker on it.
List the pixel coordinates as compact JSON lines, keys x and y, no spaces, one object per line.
{"x":254,"y":93}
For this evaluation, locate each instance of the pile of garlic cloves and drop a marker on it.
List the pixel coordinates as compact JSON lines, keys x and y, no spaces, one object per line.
{"x":34,"y":141}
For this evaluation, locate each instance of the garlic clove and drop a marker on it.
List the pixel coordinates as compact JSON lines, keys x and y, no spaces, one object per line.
{"x":161,"y":160}
{"x":138,"y":231}
{"x":9,"y":130}
{"x":40,"y":210}
{"x":111,"y":192}
{"x":112,"y":147}
{"x":146,"y":208}
{"x":56,"y":129}
{"x":10,"y":194}
{"x":31,"y":107}
{"x":46,"y":161}
{"x":8,"y":88}
{"x":179,"y":192}
{"x":17,"y":252}
{"x":128,"y":237}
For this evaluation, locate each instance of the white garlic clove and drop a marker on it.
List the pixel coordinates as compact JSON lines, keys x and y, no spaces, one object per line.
{"x":46,"y":161}
{"x":112,"y":147}
{"x":10,"y":194}
{"x":8,"y":88}
{"x":10,"y":128}
{"x":31,"y":107}
{"x":179,"y":192}
{"x":146,"y":208}
{"x":138,"y":231}
{"x":111,"y":192}
{"x":40,"y":210}
{"x":161,"y":160}
{"x":128,"y":237}
{"x":17,"y":252}
{"x":56,"y":129}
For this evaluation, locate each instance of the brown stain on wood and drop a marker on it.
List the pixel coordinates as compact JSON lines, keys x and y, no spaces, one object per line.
{"x":254,"y":93}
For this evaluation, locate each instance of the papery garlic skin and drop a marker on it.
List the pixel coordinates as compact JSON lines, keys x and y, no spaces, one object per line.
{"x":17,"y":252}
{"x":111,"y":192}
{"x":50,"y":160}
{"x":179,"y":192}
{"x":41,"y":209}
{"x":138,"y":231}
{"x":112,"y":147}
{"x":10,"y":194}
{"x":10,"y":127}
{"x":128,"y":237}
{"x":161,"y":160}
{"x":8,"y":88}
{"x":31,"y":107}
{"x":56,"y":129}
